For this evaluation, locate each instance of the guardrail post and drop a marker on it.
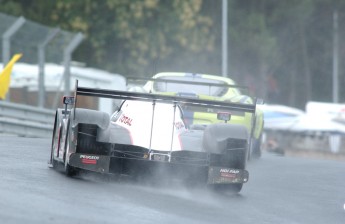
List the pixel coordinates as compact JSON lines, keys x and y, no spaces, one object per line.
{"x":41,"y":62}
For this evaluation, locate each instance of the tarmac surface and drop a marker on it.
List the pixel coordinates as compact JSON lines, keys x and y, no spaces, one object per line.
{"x":280,"y":190}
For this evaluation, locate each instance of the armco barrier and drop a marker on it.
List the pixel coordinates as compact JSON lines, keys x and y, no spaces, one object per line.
{"x":24,"y":120}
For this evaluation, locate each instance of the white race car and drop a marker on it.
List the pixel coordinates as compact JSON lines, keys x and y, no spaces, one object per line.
{"x":147,"y":136}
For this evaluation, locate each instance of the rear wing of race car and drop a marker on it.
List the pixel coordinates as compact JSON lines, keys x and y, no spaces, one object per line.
{"x":125,"y":95}
{"x":136,"y":79}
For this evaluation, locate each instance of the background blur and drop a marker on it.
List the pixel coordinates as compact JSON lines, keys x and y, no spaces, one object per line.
{"x":283,"y":50}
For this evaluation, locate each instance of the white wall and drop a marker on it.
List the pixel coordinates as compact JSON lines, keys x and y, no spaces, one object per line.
{"x":26,"y":75}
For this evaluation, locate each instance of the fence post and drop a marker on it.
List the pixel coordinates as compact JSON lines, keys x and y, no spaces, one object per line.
{"x":41,"y":62}
{"x":67,"y":60}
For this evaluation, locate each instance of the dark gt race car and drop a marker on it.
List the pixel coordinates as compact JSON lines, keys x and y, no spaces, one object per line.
{"x":147,"y":136}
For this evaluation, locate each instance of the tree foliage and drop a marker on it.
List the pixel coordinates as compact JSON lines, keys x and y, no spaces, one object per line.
{"x":281,"y":49}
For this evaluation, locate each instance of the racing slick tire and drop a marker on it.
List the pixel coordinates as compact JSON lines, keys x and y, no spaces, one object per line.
{"x":55,"y":141}
{"x":256,"y":148}
{"x":69,"y":170}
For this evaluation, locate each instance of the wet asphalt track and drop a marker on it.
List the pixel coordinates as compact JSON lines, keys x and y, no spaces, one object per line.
{"x":280,"y":190}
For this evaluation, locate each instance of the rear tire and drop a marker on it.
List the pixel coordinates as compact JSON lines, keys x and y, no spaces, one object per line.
{"x":256,"y":146}
{"x":55,"y":141}
{"x":69,"y":170}
{"x":227,"y":188}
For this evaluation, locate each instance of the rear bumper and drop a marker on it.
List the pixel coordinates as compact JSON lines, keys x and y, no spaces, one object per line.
{"x":199,"y":172}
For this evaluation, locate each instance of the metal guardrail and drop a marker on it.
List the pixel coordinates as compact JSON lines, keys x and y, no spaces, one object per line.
{"x":26,"y":121}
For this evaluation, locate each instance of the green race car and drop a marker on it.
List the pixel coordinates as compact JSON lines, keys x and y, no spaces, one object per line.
{"x":209,"y":87}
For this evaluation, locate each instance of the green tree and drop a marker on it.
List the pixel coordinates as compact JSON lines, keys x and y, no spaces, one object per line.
{"x":289,"y":40}
{"x":127,"y":37}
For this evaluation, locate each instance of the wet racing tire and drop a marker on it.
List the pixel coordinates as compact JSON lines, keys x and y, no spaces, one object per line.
{"x":69,"y":170}
{"x":226,"y":188}
{"x":256,"y":148}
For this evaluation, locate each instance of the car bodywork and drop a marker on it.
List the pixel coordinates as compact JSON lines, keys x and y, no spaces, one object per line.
{"x":147,"y":135}
{"x":210,"y":87}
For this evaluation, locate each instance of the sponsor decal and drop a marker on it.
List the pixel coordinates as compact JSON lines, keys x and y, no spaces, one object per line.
{"x":85,"y":159}
{"x":218,"y":175}
{"x":126,"y":120}
{"x":179,"y":125}
{"x":89,"y":157}
{"x":225,"y":170}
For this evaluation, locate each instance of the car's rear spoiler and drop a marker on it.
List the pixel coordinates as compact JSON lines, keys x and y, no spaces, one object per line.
{"x":125,"y":95}
{"x":136,"y":79}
